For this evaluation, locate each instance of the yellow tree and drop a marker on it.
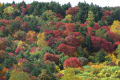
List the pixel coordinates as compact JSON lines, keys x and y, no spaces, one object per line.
{"x":41,"y":39}
{"x":1,"y":4}
{"x":115,"y":27}
{"x":90,"y":16}
{"x":68,"y":18}
{"x":9,"y":10}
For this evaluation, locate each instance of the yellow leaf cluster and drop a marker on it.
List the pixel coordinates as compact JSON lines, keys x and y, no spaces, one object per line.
{"x":68,"y":17}
{"x":9,"y":10}
{"x":22,"y":44}
{"x":31,"y":36}
{"x":98,"y":66}
{"x":1,"y":4}
{"x":41,"y":39}
{"x":113,"y":57}
{"x":115,"y":27}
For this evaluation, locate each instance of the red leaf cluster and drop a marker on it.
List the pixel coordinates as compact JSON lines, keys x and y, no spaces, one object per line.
{"x":73,"y":62}
{"x":99,"y":43}
{"x":17,"y":19}
{"x":60,"y":24}
{"x":51,"y":57}
{"x":107,"y":13}
{"x":96,"y":26}
{"x":73,"y":11}
{"x":90,"y":31}
{"x":113,"y":36}
{"x":72,"y":40}
{"x":70,"y":27}
{"x":22,"y":60}
{"x":24,"y":9}
{"x":5,"y":21}
{"x":57,"y":33}
{"x":18,"y":49}
{"x":106,"y":28}
{"x":68,"y":50}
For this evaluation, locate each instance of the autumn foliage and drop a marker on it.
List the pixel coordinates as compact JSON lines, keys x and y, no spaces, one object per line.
{"x":72,"y":62}
{"x":72,"y":11}
{"x":51,"y":57}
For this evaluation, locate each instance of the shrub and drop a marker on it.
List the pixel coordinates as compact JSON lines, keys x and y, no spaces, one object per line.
{"x":73,"y":62}
{"x":99,"y":43}
{"x":72,"y":40}
{"x":69,"y":74}
{"x":68,"y":50}
{"x":81,"y":52}
{"x":115,"y":27}
{"x":83,"y":60}
{"x":19,"y":35}
{"x":100,"y":56}
{"x":62,"y":58}
{"x":44,"y":76}
{"x":41,"y":40}
{"x":31,"y":36}
{"x":49,"y":15}
{"x":51,"y":57}
{"x":70,"y":27}
{"x":19,"y":75}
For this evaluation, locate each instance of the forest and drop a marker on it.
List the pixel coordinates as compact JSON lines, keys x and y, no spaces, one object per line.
{"x":50,"y":41}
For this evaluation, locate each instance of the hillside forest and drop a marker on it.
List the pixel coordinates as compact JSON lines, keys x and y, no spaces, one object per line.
{"x":50,"y":41}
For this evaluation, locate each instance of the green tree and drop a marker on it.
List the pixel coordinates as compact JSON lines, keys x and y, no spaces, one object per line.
{"x":49,"y":15}
{"x":90,"y":16}
{"x":82,"y":15}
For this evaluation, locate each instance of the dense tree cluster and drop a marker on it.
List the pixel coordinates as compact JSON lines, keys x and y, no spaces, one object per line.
{"x":50,"y":41}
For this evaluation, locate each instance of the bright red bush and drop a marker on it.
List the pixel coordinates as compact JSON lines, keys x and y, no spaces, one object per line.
{"x":73,"y":62}
{"x":68,"y":50}
{"x":51,"y":57}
